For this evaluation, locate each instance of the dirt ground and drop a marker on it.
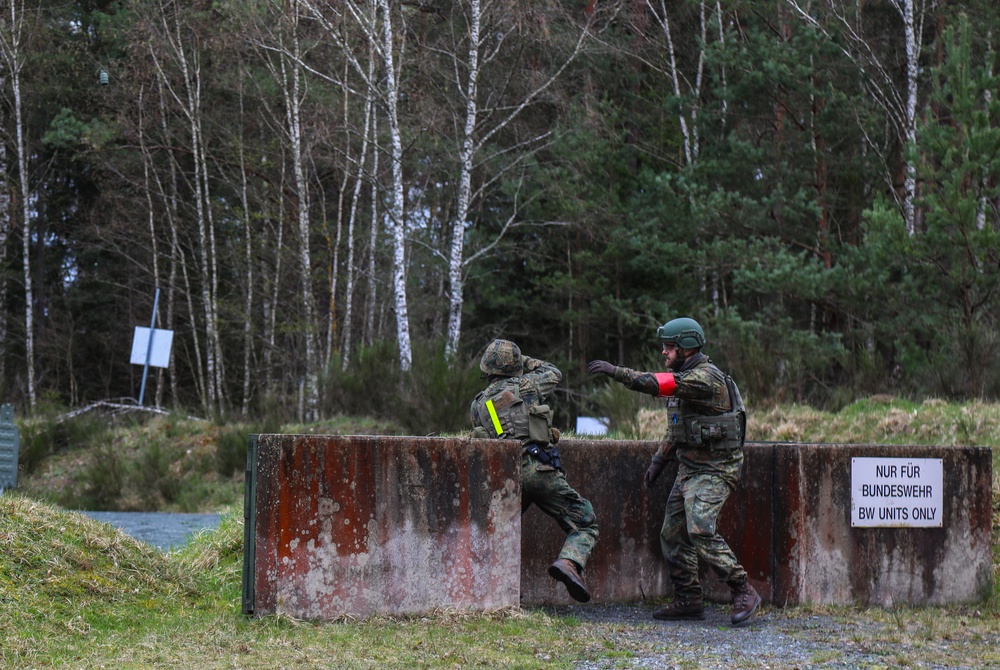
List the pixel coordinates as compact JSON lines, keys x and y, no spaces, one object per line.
{"x":625,"y":636}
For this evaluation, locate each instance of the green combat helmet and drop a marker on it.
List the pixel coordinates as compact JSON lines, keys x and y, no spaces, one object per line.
{"x":685,"y":333}
{"x":502,"y":357}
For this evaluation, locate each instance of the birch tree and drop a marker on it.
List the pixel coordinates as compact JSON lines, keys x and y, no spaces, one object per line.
{"x":292,"y":90}
{"x":688,"y":85}
{"x":369,"y":334}
{"x":395,"y":217}
{"x":899,"y":101}
{"x":490,"y":26}
{"x":382,"y":30}
{"x":12,"y":50}
{"x":178,"y":43}
{"x":169,"y":197}
{"x":275,"y":34}
{"x":683,"y":87}
{"x":367,"y":129}
{"x":248,"y":249}
{"x":6,"y":221}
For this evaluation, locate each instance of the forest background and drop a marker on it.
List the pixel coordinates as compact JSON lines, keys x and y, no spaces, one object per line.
{"x":341,"y":203}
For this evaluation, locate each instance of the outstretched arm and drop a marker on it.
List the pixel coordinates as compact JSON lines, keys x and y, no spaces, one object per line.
{"x":653,"y":383}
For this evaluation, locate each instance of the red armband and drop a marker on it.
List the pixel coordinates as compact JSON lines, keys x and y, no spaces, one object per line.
{"x":667,"y":383}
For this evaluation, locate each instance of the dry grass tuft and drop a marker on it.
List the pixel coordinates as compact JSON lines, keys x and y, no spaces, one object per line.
{"x":896,"y":422}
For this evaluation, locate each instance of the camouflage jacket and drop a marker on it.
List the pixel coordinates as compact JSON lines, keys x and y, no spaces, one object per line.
{"x":534,"y":384}
{"x":701,"y":390}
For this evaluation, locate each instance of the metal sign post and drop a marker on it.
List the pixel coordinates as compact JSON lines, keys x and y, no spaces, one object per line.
{"x":149,"y":347}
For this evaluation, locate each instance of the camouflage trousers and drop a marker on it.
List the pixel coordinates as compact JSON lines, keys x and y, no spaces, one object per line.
{"x":546,"y":487}
{"x":689,"y":533}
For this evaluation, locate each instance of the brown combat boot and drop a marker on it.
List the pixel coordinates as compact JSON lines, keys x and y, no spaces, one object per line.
{"x":566,"y":572}
{"x":682,"y":610}
{"x":745,"y":603}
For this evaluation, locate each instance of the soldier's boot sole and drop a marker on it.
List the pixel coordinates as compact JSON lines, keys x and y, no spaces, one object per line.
{"x":574,"y":585}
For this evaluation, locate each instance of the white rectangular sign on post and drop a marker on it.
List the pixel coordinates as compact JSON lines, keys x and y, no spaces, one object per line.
{"x":159,"y":357}
{"x":897,"y":492}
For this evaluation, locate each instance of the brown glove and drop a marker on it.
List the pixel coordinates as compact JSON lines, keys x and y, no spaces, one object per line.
{"x":601,"y":367}
{"x":654,"y":470}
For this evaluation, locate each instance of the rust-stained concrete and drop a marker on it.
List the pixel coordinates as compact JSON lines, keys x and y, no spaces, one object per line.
{"x":820,"y":558}
{"x":361,"y":525}
{"x":789,"y":522}
{"x":626,"y":564}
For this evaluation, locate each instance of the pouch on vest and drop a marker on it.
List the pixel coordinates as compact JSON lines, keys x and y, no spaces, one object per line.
{"x":538,"y":425}
{"x":716,"y":432}
{"x":676,"y":429}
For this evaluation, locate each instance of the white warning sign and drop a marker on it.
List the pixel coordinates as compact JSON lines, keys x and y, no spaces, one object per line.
{"x":897,"y":492}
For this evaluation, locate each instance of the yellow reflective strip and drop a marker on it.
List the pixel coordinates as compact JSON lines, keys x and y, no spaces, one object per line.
{"x":496,"y":419}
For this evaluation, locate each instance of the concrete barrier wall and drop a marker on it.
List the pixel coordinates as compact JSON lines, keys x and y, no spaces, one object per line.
{"x":363,"y":525}
{"x":821,"y":558}
{"x":789,"y":523}
{"x":626,"y":564}
{"x":360,"y":525}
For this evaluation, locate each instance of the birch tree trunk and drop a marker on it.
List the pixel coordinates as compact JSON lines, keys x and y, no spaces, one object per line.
{"x":151,"y":210}
{"x":900,"y":107}
{"x":6,"y":219}
{"x":912,"y":42}
{"x":190,"y":104}
{"x":473,"y":139}
{"x":170,"y":209}
{"x":248,"y":249}
{"x":11,"y":45}
{"x":271,"y":300}
{"x":689,"y":126}
{"x":380,"y":29}
{"x":291,"y":71}
{"x":466,"y":153}
{"x":369,"y":337}
{"x":333,"y":260}
{"x":984,"y":201}
{"x":355,"y":197}
{"x":213,"y":336}
{"x":395,"y":221}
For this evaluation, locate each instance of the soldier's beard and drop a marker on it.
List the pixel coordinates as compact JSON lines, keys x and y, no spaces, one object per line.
{"x":678,"y":363}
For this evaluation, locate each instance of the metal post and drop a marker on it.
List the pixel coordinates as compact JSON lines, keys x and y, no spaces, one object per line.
{"x":149,"y":347}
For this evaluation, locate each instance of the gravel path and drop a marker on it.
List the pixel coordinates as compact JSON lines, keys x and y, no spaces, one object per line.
{"x":627,"y":637}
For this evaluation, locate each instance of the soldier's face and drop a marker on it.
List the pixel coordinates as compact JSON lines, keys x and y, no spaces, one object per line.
{"x":673,"y":355}
{"x":670,"y":352}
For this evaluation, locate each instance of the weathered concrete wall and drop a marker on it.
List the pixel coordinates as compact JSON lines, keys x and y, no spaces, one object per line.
{"x":363,"y":525}
{"x":789,"y":523}
{"x":626,"y":564}
{"x":820,"y":558}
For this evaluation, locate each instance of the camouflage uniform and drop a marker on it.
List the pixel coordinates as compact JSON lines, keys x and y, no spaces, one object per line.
{"x":705,"y":475}
{"x":543,"y":484}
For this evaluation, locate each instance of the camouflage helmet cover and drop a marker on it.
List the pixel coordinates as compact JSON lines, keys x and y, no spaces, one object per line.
{"x":502,"y":357}
{"x":685,"y":333}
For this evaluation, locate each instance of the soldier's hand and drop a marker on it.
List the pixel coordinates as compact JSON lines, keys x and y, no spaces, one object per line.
{"x":654,"y":470}
{"x":601,"y":367}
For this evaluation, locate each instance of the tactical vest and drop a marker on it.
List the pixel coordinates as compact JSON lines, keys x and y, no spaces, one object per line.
{"x":720,"y":431}
{"x":501,"y":413}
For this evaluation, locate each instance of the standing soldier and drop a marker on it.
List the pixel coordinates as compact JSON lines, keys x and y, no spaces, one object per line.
{"x":511,"y":408}
{"x":704,"y":446}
